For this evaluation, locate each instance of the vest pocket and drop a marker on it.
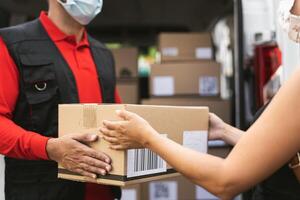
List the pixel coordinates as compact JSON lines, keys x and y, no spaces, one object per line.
{"x":41,"y":91}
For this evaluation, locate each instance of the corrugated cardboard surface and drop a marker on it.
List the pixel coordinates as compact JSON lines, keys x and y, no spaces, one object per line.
{"x":186,"y":76}
{"x":222,"y":108}
{"x":164,"y":189}
{"x":185,"y":44}
{"x":128,"y":90}
{"x":126,"y":61}
{"x":81,"y":118}
{"x":133,"y":192}
{"x":88,"y":118}
{"x":185,"y":190}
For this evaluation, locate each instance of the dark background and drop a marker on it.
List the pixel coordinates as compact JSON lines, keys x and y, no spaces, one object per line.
{"x":136,"y":22}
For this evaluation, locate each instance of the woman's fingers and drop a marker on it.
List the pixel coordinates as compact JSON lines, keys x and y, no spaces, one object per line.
{"x":85,"y":173}
{"x":108,"y":133}
{"x":112,"y":140}
{"x":109,"y":136}
{"x":118,"y":147}
{"x":111,"y":125}
{"x":124,"y":114}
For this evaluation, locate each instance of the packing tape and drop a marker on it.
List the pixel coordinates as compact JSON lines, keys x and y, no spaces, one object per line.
{"x":89,"y":116}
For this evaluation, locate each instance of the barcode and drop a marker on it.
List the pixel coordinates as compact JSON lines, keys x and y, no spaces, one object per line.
{"x":144,"y":162}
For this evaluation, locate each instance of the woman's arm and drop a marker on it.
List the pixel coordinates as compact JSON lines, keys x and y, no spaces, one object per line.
{"x":218,"y":130}
{"x":270,"y":143}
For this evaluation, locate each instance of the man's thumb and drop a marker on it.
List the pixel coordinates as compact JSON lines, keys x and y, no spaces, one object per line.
{"x":86,"y":137}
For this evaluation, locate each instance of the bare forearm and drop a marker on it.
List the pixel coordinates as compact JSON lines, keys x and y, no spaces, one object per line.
{"x":232,"y":135}
{"x":205,"y":170}
{"x":296,"y":8}
{"x":262,"y":150}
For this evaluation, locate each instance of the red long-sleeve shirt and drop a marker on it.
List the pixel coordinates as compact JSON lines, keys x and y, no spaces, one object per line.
{"x":19,"y":143}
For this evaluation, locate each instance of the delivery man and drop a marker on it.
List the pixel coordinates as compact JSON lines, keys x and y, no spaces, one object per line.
{"x":46,"y":62}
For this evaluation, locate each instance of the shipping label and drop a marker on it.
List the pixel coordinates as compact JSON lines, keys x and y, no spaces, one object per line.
{"x":170,"y":51}
{"x":208,"y":86}
{"x":129,"y":194}
{"x":204,"y":53}
{"x":163,"y":86}
{"x":196,"y":140}
{"x":163,"y":190}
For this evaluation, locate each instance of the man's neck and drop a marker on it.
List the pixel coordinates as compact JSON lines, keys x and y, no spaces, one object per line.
{"x":65,"y":22}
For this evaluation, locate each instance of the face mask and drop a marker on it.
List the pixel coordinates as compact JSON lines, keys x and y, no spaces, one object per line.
{"x":294,"y":28}
{"x":83,"y":11}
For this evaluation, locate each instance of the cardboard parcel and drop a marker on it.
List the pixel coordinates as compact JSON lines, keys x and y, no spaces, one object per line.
{"x":126,"y":62}
{"x":185,"y":79}
{"x":187,"y":126}
{"x":181,"y":47}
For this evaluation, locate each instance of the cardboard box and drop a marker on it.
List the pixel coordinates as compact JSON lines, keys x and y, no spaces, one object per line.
{"x":128,"y":90}
{"x":130,"y":167}
{"x":185,"y":47}
{"x":132,"y":193}
{"x":173,"y":79}
{"x":178,"y":188}
{"x":203,"y":194}
{"x":126,"y":61}
{"x":220,"y":107}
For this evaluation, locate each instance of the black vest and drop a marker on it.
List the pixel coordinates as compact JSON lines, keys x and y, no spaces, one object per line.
{"x":282,"y":185}
{"x":46,"y":81}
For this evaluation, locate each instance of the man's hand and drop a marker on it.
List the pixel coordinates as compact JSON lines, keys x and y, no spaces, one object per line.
{"x":74,"y":154}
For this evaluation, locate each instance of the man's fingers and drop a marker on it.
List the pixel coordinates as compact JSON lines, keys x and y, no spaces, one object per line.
{"x":96,"y":163}
{"x":98,"y":155}
{"x":124,"y":114}
{"x":85,"y":138}
{"x":85,"y":173}
{"x":92,"y":169}
{"x":88,"y":151}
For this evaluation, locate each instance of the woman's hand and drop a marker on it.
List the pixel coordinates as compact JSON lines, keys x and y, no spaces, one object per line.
{"x":128,"y":134}
{"x":219,"y":130}
{"x":217,"y":127}
{"x":119,"y":141}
